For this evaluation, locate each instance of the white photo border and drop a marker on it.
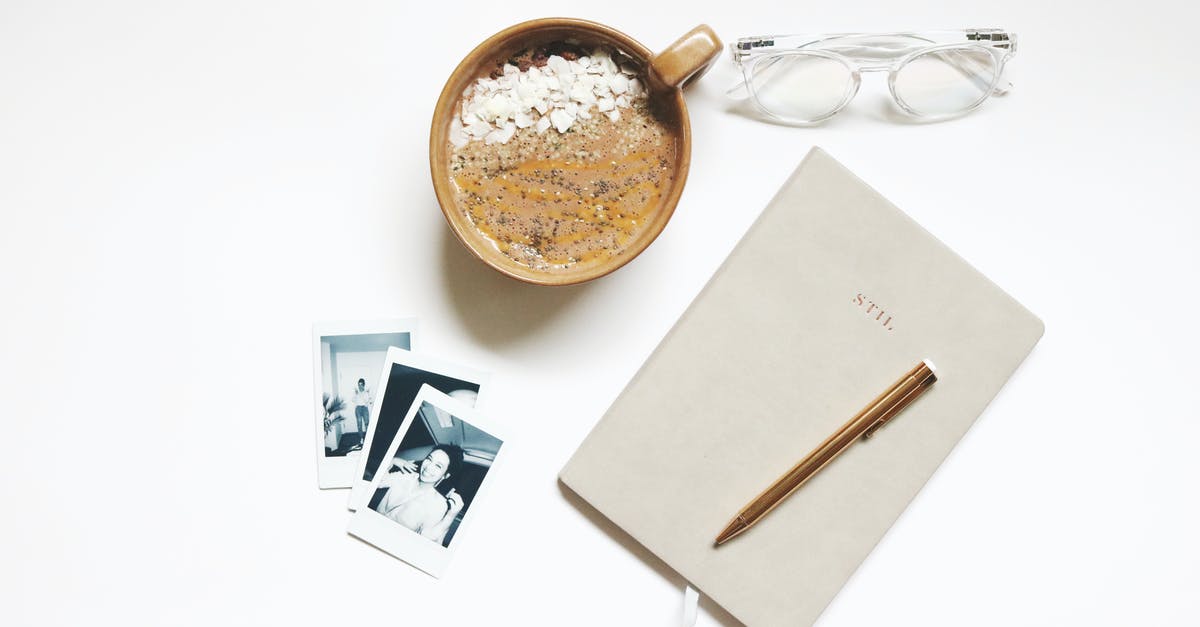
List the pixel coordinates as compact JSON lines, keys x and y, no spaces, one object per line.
{"x":338,"y":472}
{"x":360,"y":493}
{"x":410,"y":546}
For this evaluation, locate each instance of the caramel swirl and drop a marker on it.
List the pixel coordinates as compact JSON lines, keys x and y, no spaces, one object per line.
{"x":551,"y":212}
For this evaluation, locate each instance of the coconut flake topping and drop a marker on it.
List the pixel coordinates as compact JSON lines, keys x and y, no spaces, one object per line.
{"x":554,"y":95}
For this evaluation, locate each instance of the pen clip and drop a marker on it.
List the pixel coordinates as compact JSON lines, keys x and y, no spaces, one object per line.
{"x":902,"y":402}
{"x":873,"y":428}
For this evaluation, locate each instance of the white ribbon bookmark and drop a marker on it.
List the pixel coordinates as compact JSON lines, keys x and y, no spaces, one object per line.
{"x":691,"y":606}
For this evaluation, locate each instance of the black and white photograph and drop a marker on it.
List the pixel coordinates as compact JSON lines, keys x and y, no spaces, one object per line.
{"x":404,"y":373}
{"x":434,"y":473}
{"x":348,"y":360}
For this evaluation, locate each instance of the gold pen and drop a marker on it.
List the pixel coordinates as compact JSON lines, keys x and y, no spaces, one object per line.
{"x":863,"y":425}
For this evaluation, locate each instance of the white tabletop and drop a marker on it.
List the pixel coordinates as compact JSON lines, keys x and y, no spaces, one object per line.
{"x":186,"y":187}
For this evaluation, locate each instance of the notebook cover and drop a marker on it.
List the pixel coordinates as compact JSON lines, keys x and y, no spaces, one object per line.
{"x":830,"y":296}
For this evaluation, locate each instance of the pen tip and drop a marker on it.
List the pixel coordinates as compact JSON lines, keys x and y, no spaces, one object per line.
{"x":730,"y":531}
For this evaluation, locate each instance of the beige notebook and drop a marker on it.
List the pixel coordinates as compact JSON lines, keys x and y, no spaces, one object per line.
{"x":831,"y":295}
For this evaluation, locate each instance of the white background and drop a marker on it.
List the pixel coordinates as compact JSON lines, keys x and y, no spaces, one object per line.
{"x":185,"y":187}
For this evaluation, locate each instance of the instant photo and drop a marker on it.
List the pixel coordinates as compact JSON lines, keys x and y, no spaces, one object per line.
{"x":431,"y":482}
{"x":348,"y":359}
{"x":403,"y":375}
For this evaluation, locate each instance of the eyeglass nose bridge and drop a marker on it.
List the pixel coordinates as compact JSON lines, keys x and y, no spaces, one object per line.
{"x":876,"y":67}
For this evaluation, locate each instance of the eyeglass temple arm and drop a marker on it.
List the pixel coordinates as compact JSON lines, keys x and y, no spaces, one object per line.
{"x":1000,"y":38}
{"x":740,"y":86}
{"x":972,"y":70}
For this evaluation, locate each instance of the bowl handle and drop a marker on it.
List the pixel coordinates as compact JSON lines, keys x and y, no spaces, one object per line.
{"x":687,"y":59}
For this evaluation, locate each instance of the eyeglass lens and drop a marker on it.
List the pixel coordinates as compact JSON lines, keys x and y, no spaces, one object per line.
{"x":801,"y":86}
{"x":947,"y":81}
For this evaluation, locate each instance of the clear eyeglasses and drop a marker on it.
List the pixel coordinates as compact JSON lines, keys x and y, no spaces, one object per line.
{"x":804,"y":79}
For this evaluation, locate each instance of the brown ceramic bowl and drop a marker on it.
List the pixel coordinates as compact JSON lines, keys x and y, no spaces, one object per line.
{"x":668,"y":71}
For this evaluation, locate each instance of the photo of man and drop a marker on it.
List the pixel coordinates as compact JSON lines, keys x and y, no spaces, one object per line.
{"x":347,"y":362}
{"x":362,"y":405}
{"x":347,"y":356}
